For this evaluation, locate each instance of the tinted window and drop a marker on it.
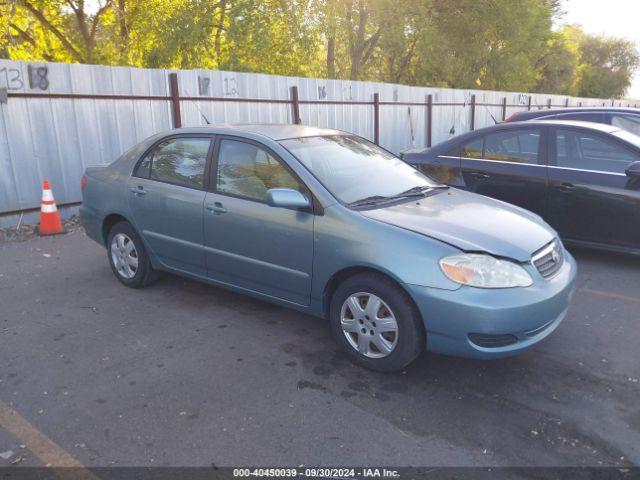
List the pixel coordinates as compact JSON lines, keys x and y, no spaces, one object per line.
{"x":472,"y":149}
{"x":586,"y":151}
{"x":352,"y":168}
{"x":630,"y":123}
{"x":453,"y":152}
{"x":518,"y":146}
{"x":249,"y":171}
{"x":180,"y":161}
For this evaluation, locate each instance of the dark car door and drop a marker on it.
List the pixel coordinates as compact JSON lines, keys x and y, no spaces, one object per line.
{"x":166,"y":201}
{"x":590,"y":198}
{"x":508,"y":164}
{"x":248,"y":243}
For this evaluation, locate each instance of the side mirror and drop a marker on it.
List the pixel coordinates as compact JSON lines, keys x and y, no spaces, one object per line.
{"x":633,"y":170}
{"x":287,"y":198}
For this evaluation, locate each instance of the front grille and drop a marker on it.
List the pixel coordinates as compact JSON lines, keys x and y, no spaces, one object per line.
{"x":488,"y":340}
{"x":549,"y":259}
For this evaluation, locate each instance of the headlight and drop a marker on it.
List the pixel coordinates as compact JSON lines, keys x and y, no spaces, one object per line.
{"x":484,"y":271}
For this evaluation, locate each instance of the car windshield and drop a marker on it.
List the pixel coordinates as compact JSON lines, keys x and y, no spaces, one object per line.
{"x":353,"y":169}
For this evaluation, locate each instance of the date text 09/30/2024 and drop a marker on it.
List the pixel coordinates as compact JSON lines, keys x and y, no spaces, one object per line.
{"x":320,"y":472}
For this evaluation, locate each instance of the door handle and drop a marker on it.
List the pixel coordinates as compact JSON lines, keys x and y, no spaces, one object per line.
{"x":479,"y":175}
{"x":216,"y":208}
{"x":139,"y":191}
{"x":566,"y":187}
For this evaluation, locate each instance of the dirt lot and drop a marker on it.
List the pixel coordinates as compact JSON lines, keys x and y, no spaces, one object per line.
{"x":186,"y":374}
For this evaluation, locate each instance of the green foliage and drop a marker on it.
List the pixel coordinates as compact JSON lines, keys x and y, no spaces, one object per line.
{"x":607,"y":65}
{"x":489,"y":44}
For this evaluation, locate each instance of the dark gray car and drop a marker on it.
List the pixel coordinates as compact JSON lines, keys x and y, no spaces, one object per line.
{"x":624,"y":118}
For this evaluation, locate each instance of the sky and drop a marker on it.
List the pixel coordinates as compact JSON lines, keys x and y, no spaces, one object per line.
{"x":618,"y":18}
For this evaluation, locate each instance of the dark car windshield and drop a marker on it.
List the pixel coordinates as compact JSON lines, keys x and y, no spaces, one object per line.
{"x":353,"y":169}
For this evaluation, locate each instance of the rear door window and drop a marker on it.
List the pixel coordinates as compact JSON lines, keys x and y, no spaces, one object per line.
{"x":517,"y":146}
{"x":587,"y":151}
{"x":180,"y":161}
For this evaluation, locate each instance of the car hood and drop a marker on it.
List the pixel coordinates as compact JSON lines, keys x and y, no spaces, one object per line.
{"x":471,"y":223}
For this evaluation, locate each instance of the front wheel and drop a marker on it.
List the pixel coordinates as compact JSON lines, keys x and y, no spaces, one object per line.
{"x":128,"y":257}
{"x":376,"y":322}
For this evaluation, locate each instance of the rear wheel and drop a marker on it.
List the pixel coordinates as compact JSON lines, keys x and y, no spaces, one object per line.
{"x":128,"y":257}
{"x":376,"y":322}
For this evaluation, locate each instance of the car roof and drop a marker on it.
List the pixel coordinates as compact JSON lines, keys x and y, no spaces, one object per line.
{"x":603,"y":127}
{"x":561,"y":111}
{"x":274,"y":131}
{"x":443,"y":146}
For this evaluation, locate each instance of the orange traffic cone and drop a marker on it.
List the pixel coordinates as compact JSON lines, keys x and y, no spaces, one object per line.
{"x":50,"y":223}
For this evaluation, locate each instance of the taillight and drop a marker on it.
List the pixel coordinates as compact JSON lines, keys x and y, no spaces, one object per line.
{"x":83,"y":182}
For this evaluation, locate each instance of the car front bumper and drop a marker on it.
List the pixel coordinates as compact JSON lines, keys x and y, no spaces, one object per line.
{"x":502,"y":322}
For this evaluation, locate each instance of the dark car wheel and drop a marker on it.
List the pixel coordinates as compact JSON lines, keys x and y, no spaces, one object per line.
{"x":128,"y":257}
{"x":376,"y":322}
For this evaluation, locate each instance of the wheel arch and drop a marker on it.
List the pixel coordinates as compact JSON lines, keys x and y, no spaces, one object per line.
{"x":341,"y":275}
{"x":108,"y":223}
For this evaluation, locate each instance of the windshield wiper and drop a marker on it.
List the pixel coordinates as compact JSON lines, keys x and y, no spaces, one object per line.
{"x":372,"y":200}
{"x":418,"y":191}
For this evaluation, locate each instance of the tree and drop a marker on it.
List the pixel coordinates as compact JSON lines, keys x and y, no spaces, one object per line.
{"x":559,"y":66}
{"x":607,"y":66}
{"x":490,"y":44}
{"x":353,"y":30}
{"x":55,"y":29}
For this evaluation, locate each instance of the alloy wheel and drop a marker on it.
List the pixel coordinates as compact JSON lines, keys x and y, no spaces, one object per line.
{"x":124,"y":255}
{"x":369,"y":325}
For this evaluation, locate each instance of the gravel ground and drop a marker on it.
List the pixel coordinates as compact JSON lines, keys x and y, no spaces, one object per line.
{"x":29,"y":231}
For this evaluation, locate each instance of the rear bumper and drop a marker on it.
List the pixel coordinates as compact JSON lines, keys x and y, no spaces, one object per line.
{"x":505,"y":321}
{"x":92,"y":223}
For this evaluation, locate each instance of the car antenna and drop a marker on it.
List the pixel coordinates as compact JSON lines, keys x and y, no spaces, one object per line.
{"x":413,"y":138}
{"x":199,"y":111}
{"x":495,"y":122}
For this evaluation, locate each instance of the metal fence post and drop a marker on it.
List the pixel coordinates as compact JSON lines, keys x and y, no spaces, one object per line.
{"x":473,"y":112}
{"x":429,"y":119}
{"x":566,"y":102}
{"x":175,"y":100}
{"x":295,"y":105}
{"x":529,"y":103}
{"x":504,"y":109}
{"x":376,"y":119}
{"x":549,"y":103}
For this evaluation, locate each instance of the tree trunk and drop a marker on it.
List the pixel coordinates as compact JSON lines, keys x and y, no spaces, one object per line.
{"x":331,"y":57}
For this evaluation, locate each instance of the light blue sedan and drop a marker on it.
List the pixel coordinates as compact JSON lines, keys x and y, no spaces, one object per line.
{"x":328,"y":223}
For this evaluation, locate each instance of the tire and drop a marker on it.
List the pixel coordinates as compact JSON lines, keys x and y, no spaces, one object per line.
{"x":124,"y":242}
{"x":364,"y":347}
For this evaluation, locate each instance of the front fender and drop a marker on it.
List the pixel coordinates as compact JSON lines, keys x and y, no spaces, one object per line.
{"x":345,"y":239}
